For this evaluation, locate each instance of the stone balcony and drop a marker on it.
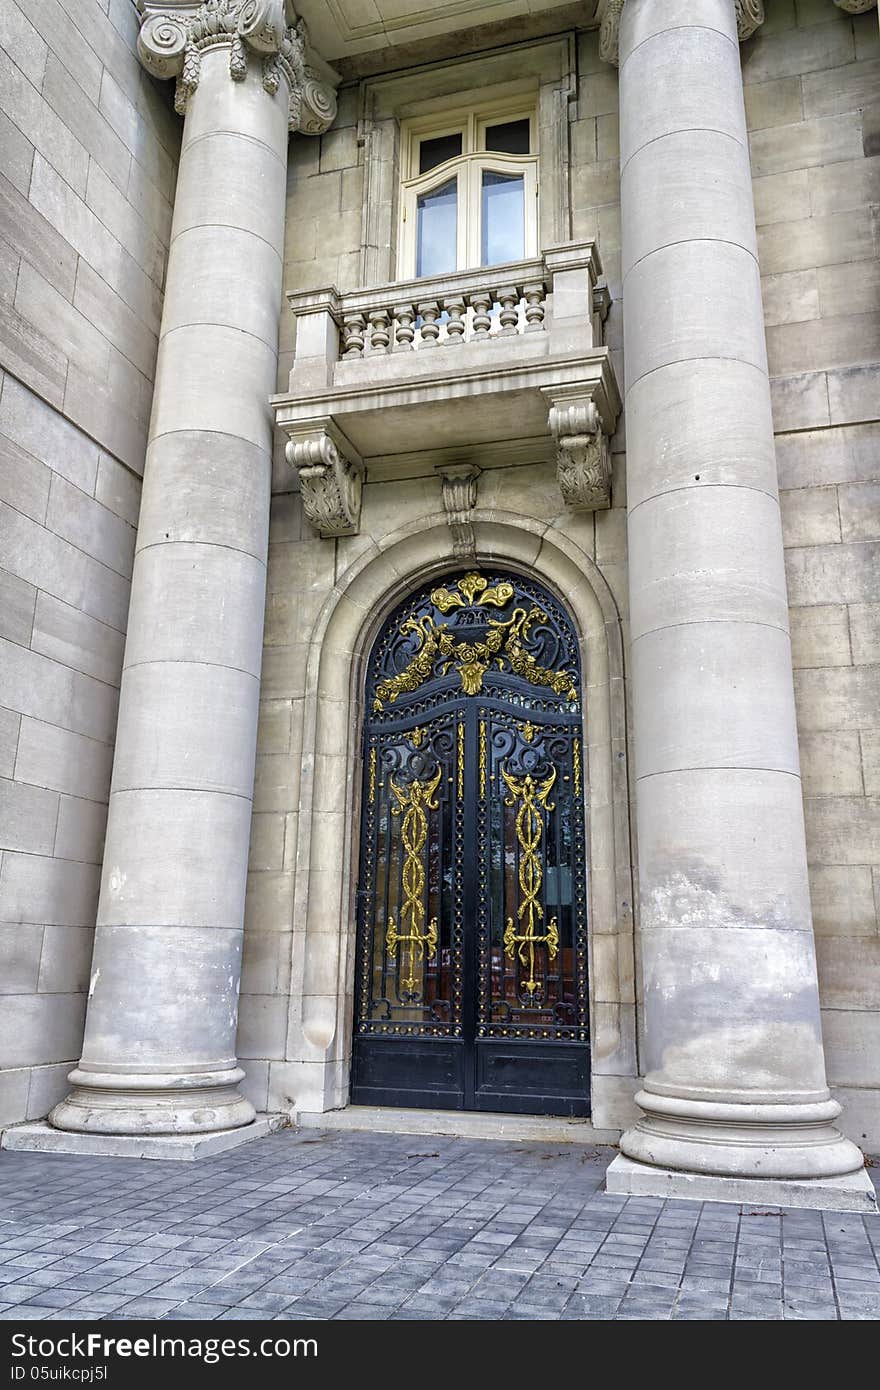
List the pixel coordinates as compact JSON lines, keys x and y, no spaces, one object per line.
{"x":506,"y":360}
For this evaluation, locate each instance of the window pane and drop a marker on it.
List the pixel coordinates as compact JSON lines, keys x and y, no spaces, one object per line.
{"x":437,"y":217}
{"x":503,"y":218}
{"x":437,"y":151}
{"x":510,"y":138}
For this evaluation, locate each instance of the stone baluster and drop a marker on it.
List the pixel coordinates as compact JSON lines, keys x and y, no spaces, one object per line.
{"x":404,"y":317}
{"x":429,"y":312}
{"x":354,"y":327}
{"x":380,"y":333}
{"x":481,"y":303}
{"x":455,"y":308}
{"x":508,"y":297}
{"x":533,"y":294}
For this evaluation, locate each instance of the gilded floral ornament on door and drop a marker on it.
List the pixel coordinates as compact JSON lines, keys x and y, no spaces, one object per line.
{"x":175,"y":34}
{"x":414,"y":942}
{"x":530,"y":797}
{"x":749,"y":17}
{"x":504,"y":644}
{"x":474,"y":588}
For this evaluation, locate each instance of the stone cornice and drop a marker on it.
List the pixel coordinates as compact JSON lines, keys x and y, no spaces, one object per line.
{"x":749,"y":17}
{"x":175,"y":33}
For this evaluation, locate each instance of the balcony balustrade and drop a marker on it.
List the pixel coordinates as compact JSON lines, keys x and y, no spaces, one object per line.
{"x":455,"y":369}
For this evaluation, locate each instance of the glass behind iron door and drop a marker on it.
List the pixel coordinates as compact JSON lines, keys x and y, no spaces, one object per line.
{"x":472,"y":937}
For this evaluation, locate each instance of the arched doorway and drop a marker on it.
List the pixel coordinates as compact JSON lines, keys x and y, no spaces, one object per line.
{"x":471,"y":966}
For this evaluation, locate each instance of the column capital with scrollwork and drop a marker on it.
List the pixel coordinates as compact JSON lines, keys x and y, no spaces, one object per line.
{"x":749,"y":17}
{"x":175,"y":33}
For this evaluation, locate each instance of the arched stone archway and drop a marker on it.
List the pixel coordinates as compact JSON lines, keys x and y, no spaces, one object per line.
{"x":320,"y":1016}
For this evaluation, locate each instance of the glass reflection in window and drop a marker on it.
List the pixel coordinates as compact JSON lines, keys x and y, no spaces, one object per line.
{"x":503,"y":211}
{"x":510,"y":138}
{"x":438,"y":150}
{"x":436,"y":230}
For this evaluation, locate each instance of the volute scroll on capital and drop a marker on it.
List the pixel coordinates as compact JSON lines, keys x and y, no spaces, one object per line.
{"x":749,"y":17}
{"x":175,"y":33}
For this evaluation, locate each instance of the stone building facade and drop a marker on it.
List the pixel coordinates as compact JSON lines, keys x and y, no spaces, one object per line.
{"x":248,"y":411}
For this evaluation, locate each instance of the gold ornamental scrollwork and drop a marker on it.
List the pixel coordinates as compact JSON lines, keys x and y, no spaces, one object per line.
{"x":530,"y":798}
{"x":461,"y":760}
{"x":503,"y":645}
{"x":476,"y":590}
{"x":415,"y":942}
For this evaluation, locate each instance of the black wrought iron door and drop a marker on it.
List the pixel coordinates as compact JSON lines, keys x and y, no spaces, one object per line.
{"x":471,"y":988}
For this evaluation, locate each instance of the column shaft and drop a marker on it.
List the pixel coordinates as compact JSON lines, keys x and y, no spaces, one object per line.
{"x":735,"y":1078}
{"x":159,"y":1052}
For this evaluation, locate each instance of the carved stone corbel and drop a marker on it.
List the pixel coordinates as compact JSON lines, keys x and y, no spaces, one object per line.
{"x":749,"y":17}
{"x":330,"y":480}
{"x":459,"y":489}
{"x":583,"y":460}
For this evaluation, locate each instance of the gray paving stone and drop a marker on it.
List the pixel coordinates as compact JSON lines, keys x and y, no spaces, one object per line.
{"x":354,"y":1226}
{"x":192,"y":1312}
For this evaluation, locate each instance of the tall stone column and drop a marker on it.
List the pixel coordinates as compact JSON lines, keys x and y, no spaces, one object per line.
{"x":159,"y":1053}
{"x":735,"y":1076}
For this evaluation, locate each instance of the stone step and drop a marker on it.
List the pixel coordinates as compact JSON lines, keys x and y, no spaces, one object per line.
{"x":461,"y":1124}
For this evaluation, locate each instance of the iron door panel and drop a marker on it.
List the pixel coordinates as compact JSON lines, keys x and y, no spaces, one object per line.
{"x":422,"y":1073}
{"x":471,"y":987}
{"x":533,"y":1078}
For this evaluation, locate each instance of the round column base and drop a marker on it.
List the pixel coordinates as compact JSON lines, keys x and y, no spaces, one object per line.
{"x":113,"y":1103}
{"x":747,"y":1140}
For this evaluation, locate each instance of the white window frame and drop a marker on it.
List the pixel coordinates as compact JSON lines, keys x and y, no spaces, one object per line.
{"x":468,"y":167}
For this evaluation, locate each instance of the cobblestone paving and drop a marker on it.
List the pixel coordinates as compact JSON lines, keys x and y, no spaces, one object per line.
{"x":371,"y":1226}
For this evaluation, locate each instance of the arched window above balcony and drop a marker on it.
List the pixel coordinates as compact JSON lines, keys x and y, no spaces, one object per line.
{"x":469,"y":189}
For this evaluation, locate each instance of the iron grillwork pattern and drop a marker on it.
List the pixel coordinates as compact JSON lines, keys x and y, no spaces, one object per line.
{"x":472,"y":896}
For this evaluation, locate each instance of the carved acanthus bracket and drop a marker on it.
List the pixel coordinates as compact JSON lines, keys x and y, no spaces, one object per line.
{"x":749,"y":17}
{"x":583,"y":459}
{"x":175,"y":33}
{"x":330,"y":476}
{"x":459,"y":486}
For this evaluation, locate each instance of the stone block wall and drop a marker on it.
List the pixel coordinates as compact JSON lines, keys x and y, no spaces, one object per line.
{"x":812,"y":79}
{"x":812,"y":87}
{"x":325,"y":217}
{"x":325,"y":185}
{"x":88,"y":148}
